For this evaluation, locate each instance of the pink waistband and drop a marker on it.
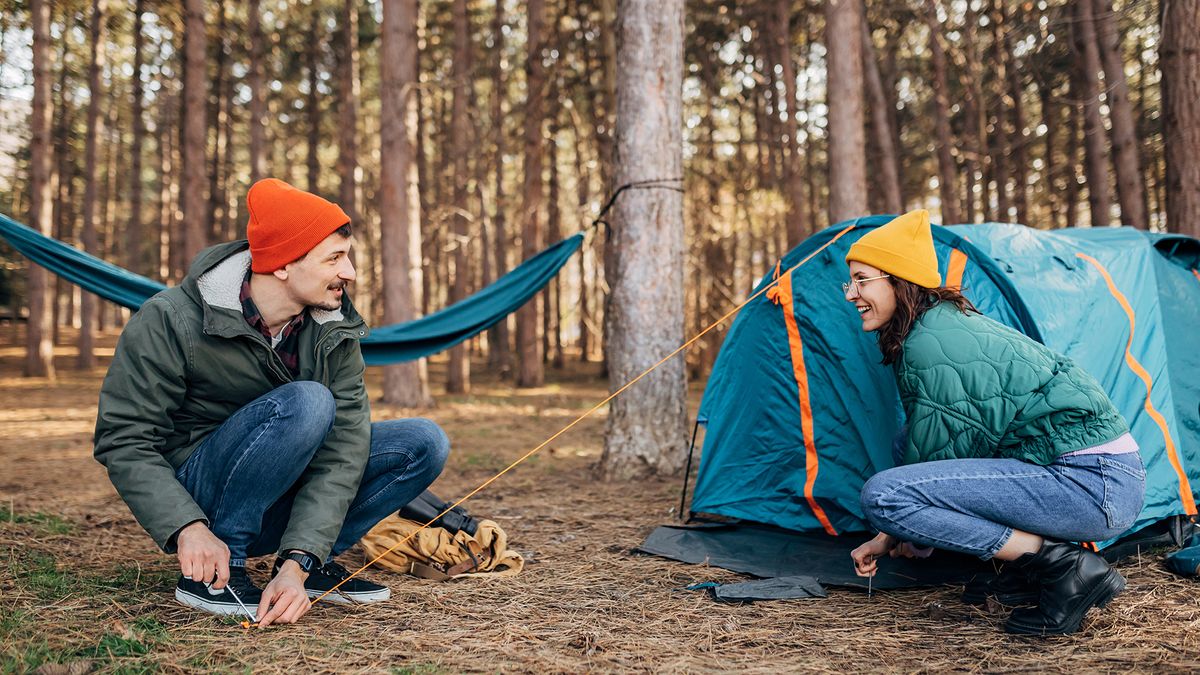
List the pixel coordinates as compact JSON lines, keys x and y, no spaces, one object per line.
{"x":1117,"y":446}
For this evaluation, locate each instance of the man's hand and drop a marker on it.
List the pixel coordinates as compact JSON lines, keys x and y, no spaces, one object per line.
{"x":864,"y":556}
{"x":202,"y":556}
{"x":284,"y":599}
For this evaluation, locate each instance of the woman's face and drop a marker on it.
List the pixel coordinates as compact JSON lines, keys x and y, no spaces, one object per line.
{"x":872,"y":295}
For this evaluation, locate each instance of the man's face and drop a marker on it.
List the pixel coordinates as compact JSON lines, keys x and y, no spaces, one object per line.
{"x":319,"y":279}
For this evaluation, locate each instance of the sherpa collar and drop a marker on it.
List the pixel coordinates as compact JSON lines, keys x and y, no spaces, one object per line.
{"x":221,"y":287}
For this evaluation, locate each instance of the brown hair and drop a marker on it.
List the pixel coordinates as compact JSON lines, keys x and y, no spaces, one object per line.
{"x":911,"y":302}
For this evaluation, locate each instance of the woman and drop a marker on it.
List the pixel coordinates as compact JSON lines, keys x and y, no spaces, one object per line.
{"x":1012,"y":452}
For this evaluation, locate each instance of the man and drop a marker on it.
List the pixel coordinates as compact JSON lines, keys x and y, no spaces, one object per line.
{"x":234,"y":421}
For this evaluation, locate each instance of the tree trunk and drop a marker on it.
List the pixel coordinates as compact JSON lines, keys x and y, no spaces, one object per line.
{"x":258,"y":103}
{"x":1071,"y":166}
{"x":1020,"y":151}
{"x":216,"y":122}
{"x":977,"y":167}
{"x":1049,"y":172}
{"x":458,"y":378}
{"x":553,"y":294}
{"x":95,"y":129}
{"x":1000,"y":67}
{"x":499,"y":341}
{"x":1126,"y":164}
{"x":947,"y":171}
{"x":195,"y":89}
{"x":348,"y":92}
{"x":844,"y":97}
{"x":1180,"y":62}
{"x":798,"y":220}
{"x":404,"y":384}
{"x":39,"y":352}
{"x":530,"y":371}
{"x":881,"y":127}
{"x":312,"y":104}
{"x":135,"y":240}
{"x":1088,"y":90}
{"x":646,"y":432}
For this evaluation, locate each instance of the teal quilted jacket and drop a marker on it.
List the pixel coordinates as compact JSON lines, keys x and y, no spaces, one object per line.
{"x":973,"y":388}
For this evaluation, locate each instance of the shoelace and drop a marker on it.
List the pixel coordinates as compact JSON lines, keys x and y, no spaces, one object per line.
{"x":334,"y":570}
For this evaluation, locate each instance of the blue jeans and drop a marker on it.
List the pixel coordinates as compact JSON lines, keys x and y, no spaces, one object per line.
{"x":973,"y":505}
{"x":245,"y":475}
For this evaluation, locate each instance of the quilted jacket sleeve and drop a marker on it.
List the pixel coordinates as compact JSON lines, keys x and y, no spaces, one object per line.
{"x":955,"y":387}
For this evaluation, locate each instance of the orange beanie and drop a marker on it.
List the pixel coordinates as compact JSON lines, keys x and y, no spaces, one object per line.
{"x":285,"y":223}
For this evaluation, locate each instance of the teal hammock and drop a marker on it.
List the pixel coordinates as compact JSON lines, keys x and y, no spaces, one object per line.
{"x":388,"y":344}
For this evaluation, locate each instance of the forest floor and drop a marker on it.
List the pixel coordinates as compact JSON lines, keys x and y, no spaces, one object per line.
{"x":83,"y":588}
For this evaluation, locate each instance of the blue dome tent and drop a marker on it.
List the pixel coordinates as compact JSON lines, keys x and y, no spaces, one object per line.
{"x":799,"y":412}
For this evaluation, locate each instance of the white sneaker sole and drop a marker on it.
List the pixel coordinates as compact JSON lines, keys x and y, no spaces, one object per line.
{"x":196,"y":602}
{"x":341,"y":597}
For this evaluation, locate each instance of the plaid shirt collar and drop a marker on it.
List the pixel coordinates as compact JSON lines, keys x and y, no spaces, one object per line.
{"x":288,"y":348}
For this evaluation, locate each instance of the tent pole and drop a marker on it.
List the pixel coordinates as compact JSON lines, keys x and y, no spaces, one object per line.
{"x":687,"y":472}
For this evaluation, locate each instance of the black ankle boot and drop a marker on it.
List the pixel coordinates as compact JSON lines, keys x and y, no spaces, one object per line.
{"x":1010,"y":587}
{"x":1071,"y":580}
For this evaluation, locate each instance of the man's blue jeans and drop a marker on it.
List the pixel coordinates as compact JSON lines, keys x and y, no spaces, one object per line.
{"x":245,"y":474}
{"x":973,"y":505}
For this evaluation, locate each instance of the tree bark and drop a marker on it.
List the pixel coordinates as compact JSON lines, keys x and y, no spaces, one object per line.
{"x":258,"y":103}
{"x":1050,"y":171}
{"x":348,"y":92}
{"x":1088,"y":91}
{"x":798,"y":220}
{"x":404,"y":384}
{"x":1180,"y":62}
{"x":39,"y":352}
{"x":1000,"y":67}
{"x":88,"y":305}
{"x":214,"y":217}
{"x":312,"y":104}
{"x":530,"y":371}
{"x":458,"y":378}
{"x":1071,"y":166}
{"x":1123,"y":134}
{"x":881,"y":127}
{"x":499,"y":340}
{"x":135,"y":243}
{"x":844,"y":96}
{"x":195,"y":90}
{"x":646,"y":430}
{"x":947,"y":171}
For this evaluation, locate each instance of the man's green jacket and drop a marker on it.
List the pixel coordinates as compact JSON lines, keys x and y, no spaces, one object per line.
{"x":187,"y":361}
{"x":974,"y":388}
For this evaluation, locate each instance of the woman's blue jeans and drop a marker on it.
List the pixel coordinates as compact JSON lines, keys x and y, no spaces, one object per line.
{"x":245,"y":474}
{"x":973,"y":505}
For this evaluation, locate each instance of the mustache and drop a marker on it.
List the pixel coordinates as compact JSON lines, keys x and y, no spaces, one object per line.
{"x":338,"y":285}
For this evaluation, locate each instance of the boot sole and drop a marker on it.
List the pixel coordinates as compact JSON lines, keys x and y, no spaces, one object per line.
{"x":1103,"y":593}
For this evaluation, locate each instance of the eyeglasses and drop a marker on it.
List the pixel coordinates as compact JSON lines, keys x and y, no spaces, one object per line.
{"x":857,"y":283}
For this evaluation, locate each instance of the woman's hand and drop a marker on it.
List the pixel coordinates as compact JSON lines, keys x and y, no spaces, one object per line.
{"x":864,"y":556}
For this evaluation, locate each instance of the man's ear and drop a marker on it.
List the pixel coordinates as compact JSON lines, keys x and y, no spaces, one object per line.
{"x":281,"y":273}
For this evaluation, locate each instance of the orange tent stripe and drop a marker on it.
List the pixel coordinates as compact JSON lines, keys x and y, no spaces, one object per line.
{"x":811,"y":461}
{"x":1185,"y":489}
{"x":1197,"y":274}
{"x":954,"y":271}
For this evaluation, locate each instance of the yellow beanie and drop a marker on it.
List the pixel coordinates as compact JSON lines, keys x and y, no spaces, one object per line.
{"x":903,"y":248}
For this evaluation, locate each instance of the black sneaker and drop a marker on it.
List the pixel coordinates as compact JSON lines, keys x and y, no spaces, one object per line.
{"x":356,"y":591}
{"x":204,"y":598}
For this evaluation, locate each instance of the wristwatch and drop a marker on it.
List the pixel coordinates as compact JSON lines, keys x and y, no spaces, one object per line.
{"x":305,"y":560}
